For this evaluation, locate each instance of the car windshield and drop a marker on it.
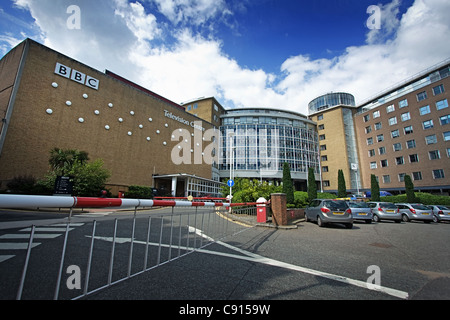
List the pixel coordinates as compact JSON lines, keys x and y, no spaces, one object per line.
{"x":420,"y":207}
{"x":388,"y":205}
{"x":336,"y":205}
{"x":442,"y":208}
{"x":358,"y":205}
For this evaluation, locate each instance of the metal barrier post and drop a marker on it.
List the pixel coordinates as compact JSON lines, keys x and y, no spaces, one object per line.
{"x":58,"y":282}
{"x":113,"y":248}
{"x":147,"y":242}
{"x":88,"y":268}
{"x":25,"y":267}
{"x":130,"y":259}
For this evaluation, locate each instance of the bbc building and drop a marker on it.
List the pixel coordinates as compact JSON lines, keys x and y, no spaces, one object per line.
{"x":49,"y":100}
{"x":404,"y":130}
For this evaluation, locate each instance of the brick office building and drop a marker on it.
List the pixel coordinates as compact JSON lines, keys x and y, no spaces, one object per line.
{"x":49,"y":100}
{"x":406,"y":130}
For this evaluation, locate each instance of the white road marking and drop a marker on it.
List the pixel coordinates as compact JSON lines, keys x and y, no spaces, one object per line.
{"x":46,"y":229}
{"x":16,"y":245}
{"x":27,"y":236}
{"x":5,"y":257}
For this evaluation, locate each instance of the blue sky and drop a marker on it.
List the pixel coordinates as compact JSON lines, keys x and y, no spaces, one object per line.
{"x":246,"y":53}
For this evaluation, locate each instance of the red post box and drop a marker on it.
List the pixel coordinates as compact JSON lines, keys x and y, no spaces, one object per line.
{"x":261,"y":210}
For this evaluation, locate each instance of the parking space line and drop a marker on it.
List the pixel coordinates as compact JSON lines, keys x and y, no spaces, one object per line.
{"x":260,"y":259}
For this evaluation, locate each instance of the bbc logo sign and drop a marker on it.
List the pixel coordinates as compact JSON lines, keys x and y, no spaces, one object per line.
{"x":76,"y":76}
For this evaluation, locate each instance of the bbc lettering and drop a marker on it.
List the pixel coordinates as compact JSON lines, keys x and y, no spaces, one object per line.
{"x":76,"y":76}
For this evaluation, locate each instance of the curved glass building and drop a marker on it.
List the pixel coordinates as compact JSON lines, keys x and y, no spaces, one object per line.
{"x":330,"y":100}
{"x":262,"y":140}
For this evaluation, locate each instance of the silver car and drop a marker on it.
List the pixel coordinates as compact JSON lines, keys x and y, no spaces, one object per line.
{"x":415,"y":211}
{"x":360,"y":211}
{"x":329,"y":211}
{"x":440,"y":213}
{"x":385,"y":211}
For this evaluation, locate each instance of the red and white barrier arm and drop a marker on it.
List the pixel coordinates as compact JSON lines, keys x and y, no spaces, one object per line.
{"x":12,"y":201}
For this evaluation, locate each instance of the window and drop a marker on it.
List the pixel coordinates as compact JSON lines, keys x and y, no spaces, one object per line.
{"x":401,"y":177}
{"x":189,"y":107}
{"x":321,"y":127}
{"x":417,"y":175}
{"x":442,"y":104}
{"x":422,"y":96}
{"x":369,"y":129}
{"x":445,"y":120}
{"x":325,"y":169}
{"x":366,"y":117}
{"x":406,"y":116}
{"x":413,"y":158}
{"x":322,"y":137}
{"x":408,"y":130}
{"x":431,"y":139}
{"x":380,"y":138}
{"x":411,"y":144}
{"x":373,"y":165}
{"x":378,"y":126}
{"x":386,"y":179}
{"x":195,"y":106}
{"x":323,"y":147}
{"x":320,"y":117}
{"x":403,"y":103}
{"x":399,"y":160}
{"x":324,"y":158}
{"x":446,"y":136}
{"x":371,"y":152}
{"x":326,"y":183}
{"x":376,"y":114}
{"x":369,"y":141}
{"x":424,"y":110}
{"x":397,"y":146}
{"x":448,"y":152}
{"x":428,"y":124}
{"x":395,"y":133}
{"x":384,"y":163}
{"x":434,"y":155}
{"x":438,"y":174}
{"x":392,"y":121}
{"x":381,"y":150}
{"x":390,"y":108}
{"x":438,"y":89}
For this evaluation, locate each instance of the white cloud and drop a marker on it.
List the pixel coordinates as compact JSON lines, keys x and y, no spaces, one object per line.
{"x":123,"y":37}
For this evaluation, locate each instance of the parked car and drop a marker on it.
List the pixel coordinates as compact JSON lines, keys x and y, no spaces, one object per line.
{"x":440,"y":213}
{"x":385,"y":211}
{"x":415,"y":211}
{"x":329,"y":211}
{"x":360,"y":211}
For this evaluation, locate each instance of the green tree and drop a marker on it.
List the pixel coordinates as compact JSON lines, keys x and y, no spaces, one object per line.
{"x":288,"y":187}
{"x":342,"y":189}
{"x":61,"y":161}
{"x":374,"y":188}
{"x":409,"y":186}
{"x":88,"y":178}
{"x":312,"y":187}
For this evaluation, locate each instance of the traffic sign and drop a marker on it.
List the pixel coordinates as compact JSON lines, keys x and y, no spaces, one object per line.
{"x":230,"y":183}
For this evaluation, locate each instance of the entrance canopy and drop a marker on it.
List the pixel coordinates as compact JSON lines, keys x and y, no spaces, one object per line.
{"x":183,"y":185}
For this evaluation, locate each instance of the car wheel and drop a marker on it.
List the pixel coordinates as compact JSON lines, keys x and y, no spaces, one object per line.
{"x":320,"y":222}
{"x":435,"y":219}
{"x":306,"y":218}
{"x":376,"y":218}
{"x":405,"y":218}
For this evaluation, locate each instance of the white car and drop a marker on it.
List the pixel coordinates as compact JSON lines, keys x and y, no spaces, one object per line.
{"x":440,"y":213}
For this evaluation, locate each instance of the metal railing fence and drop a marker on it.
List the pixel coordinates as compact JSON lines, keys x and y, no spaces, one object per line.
{"x":92,"y":254}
